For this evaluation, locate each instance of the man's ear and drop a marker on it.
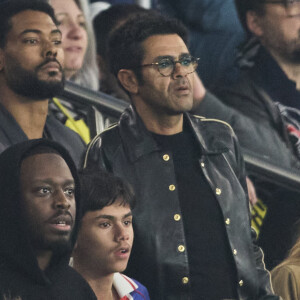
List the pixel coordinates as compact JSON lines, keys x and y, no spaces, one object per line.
{"x":254,"y":23}
{"x":128,"y":80}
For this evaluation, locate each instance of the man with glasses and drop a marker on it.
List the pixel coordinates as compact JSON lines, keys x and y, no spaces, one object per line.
{"x":193,"y":238}
{"x":268,"y":93}
{"x":268,"y":90}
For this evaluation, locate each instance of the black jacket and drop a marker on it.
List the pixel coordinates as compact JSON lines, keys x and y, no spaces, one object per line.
{"x":249,"y":97}
{"x":20,"y":275}
{"x":128,"y":150}
{"x":11,"y":133}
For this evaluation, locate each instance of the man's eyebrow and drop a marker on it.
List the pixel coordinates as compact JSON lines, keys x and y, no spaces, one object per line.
{"x":185,"y":54}
{"x":37,"y":31}
{"x":110,"y":217}
{"x":164,"y":57}
{"x":127,"y":215}
{"x":50,"y":181}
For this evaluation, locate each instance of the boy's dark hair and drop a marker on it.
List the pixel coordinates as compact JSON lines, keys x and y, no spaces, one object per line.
{"x":243,"y":6}
{"x":10,"y":8}
{"x":100,"y":189}
{"x":106,"y":21}
{"x":125,"y":49}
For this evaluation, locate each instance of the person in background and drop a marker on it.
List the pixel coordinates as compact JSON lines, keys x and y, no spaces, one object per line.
{"x":105,"y":237}
{"x":31,"y":72}
{"x":268,"y":92}
{"x":104,"y":24}
{"x":39,"y":217}
{"x":78,"y":43}
{"x":286,"y":276}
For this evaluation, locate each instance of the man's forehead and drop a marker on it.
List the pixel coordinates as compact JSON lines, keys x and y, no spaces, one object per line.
{"x":30,"y":19}
{"x":164,"y":44}
{"x":45,"y":165}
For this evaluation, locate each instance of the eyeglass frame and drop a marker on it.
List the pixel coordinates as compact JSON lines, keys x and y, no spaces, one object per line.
{"x":284,"y":2}
{"x":195,"y":59}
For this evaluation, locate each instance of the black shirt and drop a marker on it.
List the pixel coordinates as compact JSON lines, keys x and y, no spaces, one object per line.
{"x":212,"y":269}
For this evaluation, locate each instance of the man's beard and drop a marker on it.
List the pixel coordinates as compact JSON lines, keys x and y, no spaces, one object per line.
{"x":57,"y":246}
{"x":26,"y":83}
{"x":288,"y":50}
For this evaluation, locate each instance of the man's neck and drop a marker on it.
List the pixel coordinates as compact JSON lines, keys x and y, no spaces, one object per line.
{"x":159,"y":123}
{"x":101,"y":284}
{"x":43,"y":258}
{"x":291,"y":69}
{"x":29,"y":114}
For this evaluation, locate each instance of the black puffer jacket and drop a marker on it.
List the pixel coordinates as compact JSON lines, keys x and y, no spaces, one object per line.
{"x":129,"y":151}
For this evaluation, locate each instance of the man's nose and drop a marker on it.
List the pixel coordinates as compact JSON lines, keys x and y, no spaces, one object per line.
{"x":61,"y":201}
{"x":122,"y":233}
{"x":179,"y":70}
{"x":50,"y":50}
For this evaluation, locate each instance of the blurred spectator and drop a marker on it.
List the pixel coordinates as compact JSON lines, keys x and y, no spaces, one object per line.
{"x":39,"y":190}
{"x":105,"y":237}
{"x":267,"y":89}
{"x":215,"y":34}
{"x":78,"y":43}
{"x":31,"y":72}
{"x":104,"y":23}
{"x":286,"y":276}
{"x":267,"y":93}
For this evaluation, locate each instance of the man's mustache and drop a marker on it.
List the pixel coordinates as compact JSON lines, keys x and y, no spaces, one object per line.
{"x":48,"y":61}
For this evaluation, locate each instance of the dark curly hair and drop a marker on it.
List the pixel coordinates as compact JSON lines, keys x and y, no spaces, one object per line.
{"x":125,"y":44}
{"x":10,"y":8}
{"x":100,"y":189}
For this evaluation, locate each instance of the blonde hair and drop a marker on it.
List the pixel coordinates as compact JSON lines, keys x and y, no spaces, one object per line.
{"x":88,"y":75}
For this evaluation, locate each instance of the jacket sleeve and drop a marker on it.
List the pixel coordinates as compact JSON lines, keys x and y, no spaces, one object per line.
{"x":265,"y":291}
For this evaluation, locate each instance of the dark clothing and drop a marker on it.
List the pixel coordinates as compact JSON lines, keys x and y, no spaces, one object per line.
{"x":11,"y":133}
{"x":262,"y":94}
{"x":210,"y":260}
{"x":251,"y":97}
{"x":160,"y":254}
{"x":257,"y":138}
{"x":20,"y":275}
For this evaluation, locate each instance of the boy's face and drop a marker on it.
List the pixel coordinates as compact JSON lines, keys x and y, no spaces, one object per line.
{"x":105,"y":238}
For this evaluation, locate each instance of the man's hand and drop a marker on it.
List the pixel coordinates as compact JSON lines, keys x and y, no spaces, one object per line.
{"x":251,"y":191}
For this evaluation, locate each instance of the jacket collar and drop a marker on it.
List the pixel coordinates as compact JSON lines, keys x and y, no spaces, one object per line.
{"x":138,"y":141}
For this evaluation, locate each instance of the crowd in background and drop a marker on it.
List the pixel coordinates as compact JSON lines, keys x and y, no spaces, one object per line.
{"x":246,"y":59}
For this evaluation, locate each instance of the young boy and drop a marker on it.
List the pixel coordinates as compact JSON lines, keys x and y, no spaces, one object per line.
{"x":105,"y":237}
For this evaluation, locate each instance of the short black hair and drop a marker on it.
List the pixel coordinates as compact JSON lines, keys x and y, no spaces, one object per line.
{"x":100,"y":189}
{"x":10,"y":8}
{"x":108,"y":19}
{"x":243,"y":6}
{"x":125,"y":44}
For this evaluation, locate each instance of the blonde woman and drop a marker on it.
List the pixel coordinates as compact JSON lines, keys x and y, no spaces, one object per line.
{"x":286,"y":276}
{"x":78,"y":44}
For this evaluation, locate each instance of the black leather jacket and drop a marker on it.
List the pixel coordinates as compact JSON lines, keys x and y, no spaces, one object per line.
{"x":129,"y":151}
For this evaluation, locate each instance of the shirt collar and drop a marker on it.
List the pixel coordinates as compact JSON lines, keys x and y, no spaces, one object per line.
{"x":123,"y":285}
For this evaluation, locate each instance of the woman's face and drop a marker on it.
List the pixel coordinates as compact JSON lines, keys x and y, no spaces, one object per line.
{"x":74,"y":35}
